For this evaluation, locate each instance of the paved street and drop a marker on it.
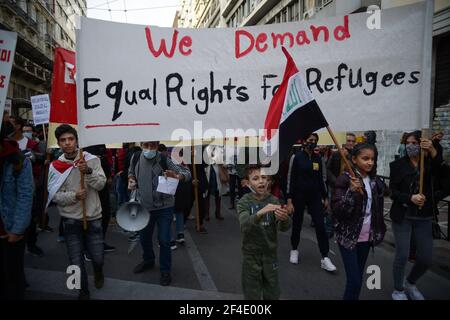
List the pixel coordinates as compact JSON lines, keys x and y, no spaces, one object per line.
{"x":208,"y":267}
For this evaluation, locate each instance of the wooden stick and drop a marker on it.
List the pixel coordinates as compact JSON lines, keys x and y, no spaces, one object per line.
{"x":83,"y":202}
{"x":194,"y":172}
{"x":45,"y":135}
{"x":46,"y":167}
{"x":422,"y":162}
{"x":341,"y":152}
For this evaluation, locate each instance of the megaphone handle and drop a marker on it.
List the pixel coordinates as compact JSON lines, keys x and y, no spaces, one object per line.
{"x":133,"y":195}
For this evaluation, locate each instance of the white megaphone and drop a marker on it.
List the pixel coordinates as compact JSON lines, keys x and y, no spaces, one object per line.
{"x":132,"y":216}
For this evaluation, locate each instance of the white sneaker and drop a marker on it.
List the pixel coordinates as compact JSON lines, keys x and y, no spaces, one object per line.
{"x":412,"y":291}
{"x":399,"y":295}
{"x":327,"y":264}
{"x":294,"y":257}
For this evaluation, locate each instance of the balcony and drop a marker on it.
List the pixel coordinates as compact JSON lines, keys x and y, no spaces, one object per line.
{"x":33,"y":25}
{"x":50,"y":40}
{"x":10,"y":5}
{"x":228,"y":6}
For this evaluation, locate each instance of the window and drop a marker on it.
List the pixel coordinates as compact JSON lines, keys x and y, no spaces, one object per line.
{"x":32,"y":12}
{"x":23,"y":5}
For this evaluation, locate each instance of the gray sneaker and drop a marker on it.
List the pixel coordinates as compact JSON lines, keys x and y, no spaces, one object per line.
{"x":412,"y":291}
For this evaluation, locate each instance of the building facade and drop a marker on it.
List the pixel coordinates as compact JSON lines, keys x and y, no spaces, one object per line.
{"x":240,"y":13}
{"x":41,"y":26}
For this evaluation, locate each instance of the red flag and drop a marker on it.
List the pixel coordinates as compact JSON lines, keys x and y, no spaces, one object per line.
{"x":276,"y":104}
{"x":293,"y":110}
{"x":64,"y":90}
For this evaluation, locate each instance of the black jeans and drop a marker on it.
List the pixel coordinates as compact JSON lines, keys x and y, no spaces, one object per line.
{"x":316,"y":210}
{"x":234,"y":179}
{"x":106,"y":208}
{"x":12,"y":277}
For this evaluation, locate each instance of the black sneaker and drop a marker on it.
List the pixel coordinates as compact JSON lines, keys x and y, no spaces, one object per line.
{"x":87,"y":257}
{"x":35,"y":251}
{"x":84,"y":295}
{"x":108,"y":248}
{"x":99,"y":279}
{"x":173,"y":245}
{"x":166,"y":279}
{"x":143,"y":266}
{"x":45,"y":229}
{"x":48,"y":229}
{"x":180,"y":238}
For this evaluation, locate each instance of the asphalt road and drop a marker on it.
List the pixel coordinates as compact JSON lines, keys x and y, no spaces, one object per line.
{"x":208,"y":266}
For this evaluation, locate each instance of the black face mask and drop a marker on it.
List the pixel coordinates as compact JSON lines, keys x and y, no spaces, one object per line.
{"x":311,"y":146}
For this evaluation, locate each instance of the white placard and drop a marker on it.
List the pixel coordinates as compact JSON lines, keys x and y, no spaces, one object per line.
{"x":8,"y":106}
{"x":136,"y":83}
{"x":167,"y":185}
{"x":41,"y":109}
{"x":8,"y":42}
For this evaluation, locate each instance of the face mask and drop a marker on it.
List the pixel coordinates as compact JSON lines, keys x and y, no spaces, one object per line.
{"x":29,"y":135}
{"x":149,"y":154}
{"x":311,"y":146}
{"x":251,"y":189}
{"x":413,"y":150}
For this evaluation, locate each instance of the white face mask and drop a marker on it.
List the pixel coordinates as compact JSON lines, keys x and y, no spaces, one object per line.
{"x":251,"y":189}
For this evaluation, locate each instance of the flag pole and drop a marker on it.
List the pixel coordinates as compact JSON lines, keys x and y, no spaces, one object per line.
{"x":46,"y":167}
{"x":422,"y":163}
{"x":194,"y":172}
{"x":341,"y":152}
{"x":83,"y":202}
{"x":45,"y":135}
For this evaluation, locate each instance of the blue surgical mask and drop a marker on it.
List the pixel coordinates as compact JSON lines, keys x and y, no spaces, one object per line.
{"x":29,"y":135}
{"x":149,"y":154}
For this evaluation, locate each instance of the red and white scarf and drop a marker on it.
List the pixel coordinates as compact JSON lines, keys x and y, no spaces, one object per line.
{"x":58,"y":173}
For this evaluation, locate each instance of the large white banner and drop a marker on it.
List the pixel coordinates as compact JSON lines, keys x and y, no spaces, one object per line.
{"x":8,"y":42}
{"x":138,"y":83}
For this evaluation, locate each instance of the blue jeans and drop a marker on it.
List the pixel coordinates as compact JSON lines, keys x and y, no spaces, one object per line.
{"x":179,"y":224}
{"x":163,"y":218}
{"x":77,"y":239}
{"x":121,"y":191}
{"x":354,"y":264}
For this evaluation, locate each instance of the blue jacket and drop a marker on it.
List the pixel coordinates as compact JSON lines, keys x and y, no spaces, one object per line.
{"x":16,"y":197}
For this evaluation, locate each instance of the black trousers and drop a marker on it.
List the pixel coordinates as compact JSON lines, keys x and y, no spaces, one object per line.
{"x":314,"y":204}
{"x":36,"y":217}
{"x":234,"y":179}
{"x":12,"y":276}
{"x":106,"y":208}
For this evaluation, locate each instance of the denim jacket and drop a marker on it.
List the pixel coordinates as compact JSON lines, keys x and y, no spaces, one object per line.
{"x":16,"y":197}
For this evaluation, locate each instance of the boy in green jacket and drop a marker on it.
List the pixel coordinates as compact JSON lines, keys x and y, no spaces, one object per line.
{"x":260,"y":217}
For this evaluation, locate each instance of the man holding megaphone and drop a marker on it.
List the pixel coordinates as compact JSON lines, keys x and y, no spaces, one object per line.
{"x":144,"y":174}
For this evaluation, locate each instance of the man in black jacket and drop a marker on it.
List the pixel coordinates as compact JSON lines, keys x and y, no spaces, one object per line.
{"x":335,"y":165}
{"x":306,"y":188}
